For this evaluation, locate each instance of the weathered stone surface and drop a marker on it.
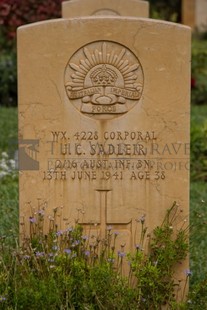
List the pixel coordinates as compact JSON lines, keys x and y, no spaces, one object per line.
{"x":77,"y":8}
{"x":201,"y":15}
{"x":107,"y":100}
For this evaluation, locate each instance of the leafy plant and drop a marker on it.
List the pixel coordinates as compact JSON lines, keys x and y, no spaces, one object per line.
{"x":198,"y":234}
{"x":166,"y":9}
{"x":199,"y":71}
{"x":8,"y":78}
{"x":70,"y":270}
{"x":199,"y":145}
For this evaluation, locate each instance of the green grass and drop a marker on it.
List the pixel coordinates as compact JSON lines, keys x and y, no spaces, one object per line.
{"x":9,"y":184}
{"x":198,"y":231}
{"x":9,"y":208}
{"x":8,"y":129}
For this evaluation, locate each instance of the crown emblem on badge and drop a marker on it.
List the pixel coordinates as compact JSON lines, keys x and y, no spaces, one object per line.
{"x":103,"y":68}
{"x":104,"y":76}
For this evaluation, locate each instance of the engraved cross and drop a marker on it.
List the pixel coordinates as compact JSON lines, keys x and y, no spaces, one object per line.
{"x":103,"y":196}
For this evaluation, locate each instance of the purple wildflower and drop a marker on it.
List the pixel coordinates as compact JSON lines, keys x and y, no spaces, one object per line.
{"x":59,"y":233}
{"x":75,"y":243}
{"x":50,"y":257}
{"x":188,"y":272}
{"x":121,"y":254}
{"x":138,"y":246}
{"x":32,"y":219}
{"x":142,"y":219}
{"x":85,"y":237}
{"x":87,"y":253}
{"x":67,"y":251}
{"x":39,"y":254}
{"x":2,"y":298}
{"x":26,"y":257}
{"x":41,"y":212}
{"x":109,"y":228}
{"x":70,"y":229}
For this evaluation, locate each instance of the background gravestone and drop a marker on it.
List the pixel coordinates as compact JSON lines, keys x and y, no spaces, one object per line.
{"x":104,"y":116}
{"x":105,"y":7}
{"x":194,"y":14}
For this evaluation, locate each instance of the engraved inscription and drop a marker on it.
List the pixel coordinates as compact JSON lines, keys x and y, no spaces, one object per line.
{"x":93,"y":156}
{"x":104,"y":80}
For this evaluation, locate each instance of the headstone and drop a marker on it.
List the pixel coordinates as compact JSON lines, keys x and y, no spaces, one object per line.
{"x":104,"y":122}
{"x":194,"y":14}
{"x":188,"y":12}
{"x":105,"y":7}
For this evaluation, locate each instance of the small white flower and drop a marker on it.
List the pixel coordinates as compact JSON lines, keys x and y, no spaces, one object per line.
{"x":7,"y":166}
{"x":12,"y":163}
{"x":4,"y":155}
{"x":3,"y":174}
{"x":3,"y":165}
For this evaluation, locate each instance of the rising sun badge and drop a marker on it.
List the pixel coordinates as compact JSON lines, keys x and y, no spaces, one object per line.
{"x":104,"y":80}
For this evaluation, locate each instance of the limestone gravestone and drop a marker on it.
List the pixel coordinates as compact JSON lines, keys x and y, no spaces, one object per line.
{"x":105,"y":7}
{"x":104,"y":122}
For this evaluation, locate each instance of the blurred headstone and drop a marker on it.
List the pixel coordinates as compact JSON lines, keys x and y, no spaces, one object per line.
{"x":78,"y":8}
{"x":194,"y":14}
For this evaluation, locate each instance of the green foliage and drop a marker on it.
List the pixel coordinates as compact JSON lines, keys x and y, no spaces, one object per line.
{"x":8,"y":200}
{"x":198,"y":296}
{"x":14,"y":13}
{"x":198,"y":143}
{"x":198,"y":232}
{"x":199,"y":71}
{"x":69,"y":270}
{"x":8,"y":130}
{"x":8,"y":78}
{"x":199,"y":152}
{"x":166,"y":10}
{"x":155,"y":273}
{"x":8,"y":175}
